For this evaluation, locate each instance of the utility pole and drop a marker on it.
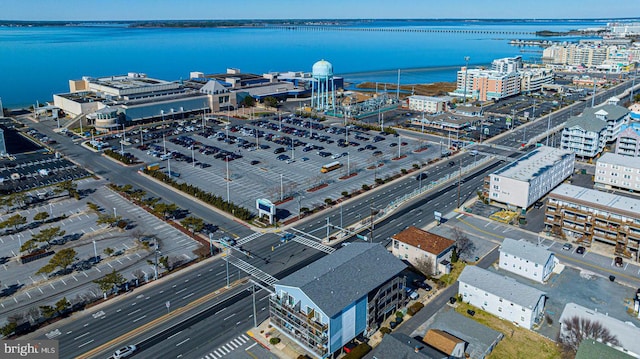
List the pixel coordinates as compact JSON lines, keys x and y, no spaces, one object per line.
{"x":398,"y":87}
{"x":374,"y":211}
{"x":459,"y":180}
{"x":548,"y":129}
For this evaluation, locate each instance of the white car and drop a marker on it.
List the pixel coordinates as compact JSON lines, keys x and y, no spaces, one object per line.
{"x":336,"y":156}
{"x":124,"y":352}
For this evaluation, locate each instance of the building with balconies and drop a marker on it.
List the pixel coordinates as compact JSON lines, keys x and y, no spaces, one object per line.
{"x":532,"y":80}
{"x":585,"y":215}
{"x":428,"y":104}
{"x":523,"y":182}
{"x":350,"y":292}
{"x":589,"y":133}
{"x":628,"y":141}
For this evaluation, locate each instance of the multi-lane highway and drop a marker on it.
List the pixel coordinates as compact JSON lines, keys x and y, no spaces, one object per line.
{"x":218,"y":325}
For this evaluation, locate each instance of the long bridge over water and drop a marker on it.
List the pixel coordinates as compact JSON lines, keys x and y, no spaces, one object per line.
{"x":394,"y":29}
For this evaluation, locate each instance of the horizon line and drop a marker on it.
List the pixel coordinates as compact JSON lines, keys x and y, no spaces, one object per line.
{"x":331,"y":19}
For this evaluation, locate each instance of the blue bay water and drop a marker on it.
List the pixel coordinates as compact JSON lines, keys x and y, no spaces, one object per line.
{"x":36,"y":62}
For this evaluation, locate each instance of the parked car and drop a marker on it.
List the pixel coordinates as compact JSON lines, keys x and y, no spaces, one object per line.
{"x":619,"y":262}
{"x":567,"y":247}
{"x":255,"y":162}
{"x":538,"y":204}
{"x":581,"y":250}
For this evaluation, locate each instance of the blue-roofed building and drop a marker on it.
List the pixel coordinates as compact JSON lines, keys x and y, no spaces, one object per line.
{"x":350,"y":292}
{"x":502,"y":296}
{"x":526,"y":259}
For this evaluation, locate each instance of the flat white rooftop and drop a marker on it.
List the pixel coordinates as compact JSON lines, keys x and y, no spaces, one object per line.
{"x":620,"y":160}
{"x":591,"y":196}
{"x":534,"y":163}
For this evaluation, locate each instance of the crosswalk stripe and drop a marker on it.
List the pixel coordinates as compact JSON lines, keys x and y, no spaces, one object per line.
{"x":242,"y":340}
{"x":229,"y":347}
{"x":244,"y":336}
{"x":238,"y":342}
{"x":218,"y":351}
{"x":214,"y":355}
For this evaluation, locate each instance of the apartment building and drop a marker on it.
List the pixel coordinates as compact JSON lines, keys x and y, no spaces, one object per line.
{"x":587,"y":55}
{"x":326,"y":304}
{"x":486,"y":85}
{"x":532,"y":80}
{"x":502,"y":296}
{"x":526,"y":259}
{"x":587,"y":215}
{"x":523,"y":182}
{"x":428,"y":104}
{"x":507,"y":64}
{"x":420,"y":247}
{"x":616,"y":171}
{"x":588,"y":134}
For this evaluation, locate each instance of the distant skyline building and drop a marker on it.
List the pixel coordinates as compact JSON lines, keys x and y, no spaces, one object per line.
{"x":507,"y":64}
{"x":3,"y":145}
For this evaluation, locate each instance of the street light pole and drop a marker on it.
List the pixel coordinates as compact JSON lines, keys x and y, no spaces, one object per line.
{"x":228,"y":180}
{"x":459,"y":180}
{"x":156,"y":266}
{"x":211,"y":244}
{"x":281,"y":188}
{"x":255,"y":320}
{"x":226,"y":246}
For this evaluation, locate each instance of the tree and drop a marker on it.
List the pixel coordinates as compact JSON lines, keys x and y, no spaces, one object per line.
{"x":137,"y":195}
{"x":575,"y":329}
{"x":67,"y":186}
{"x":248,"y":101}
{"x":48,"y":234}
{"x":41,"y":216}
{"x":47,"y":311}
{"x":194,"y":224}
{"x":29,"y":246}
{"x":15,"y":221}
{"x":270,"y":101}
{"x":62,"y":305}
{"x":463,"y":244}
{"x":108,"y":251}
{"x":164,"y":209}
{"x":93,"y":207}
{"x":108,"y":219}
{"x":425,"y":266}
{"x":109,"y":281}
{"x":63,"y":259}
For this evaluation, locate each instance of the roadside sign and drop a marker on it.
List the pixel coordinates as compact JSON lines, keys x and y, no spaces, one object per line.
{"x":168,"y":304}
{"x":364,"y":238}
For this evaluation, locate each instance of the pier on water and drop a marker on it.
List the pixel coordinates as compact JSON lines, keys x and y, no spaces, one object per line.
{"x":394,"y":29}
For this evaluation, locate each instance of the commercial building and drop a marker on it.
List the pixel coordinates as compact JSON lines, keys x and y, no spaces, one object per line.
{"x":526,"y":259}
{"x":627,"y":335}
{"x":588,"y":134}
{"x":523,"y":182}
{"x":587,"y":215}
{"x":628,"y":141}
{"x":109,"y":102}
{"x":424,"y":249}
{"x":502,"y":296}
{"x":347,"y":293}
{"x":616,"y":171}
{"x":428,"y":104}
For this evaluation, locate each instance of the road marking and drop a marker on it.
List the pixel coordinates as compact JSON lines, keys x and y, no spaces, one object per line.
{"x":181,"y":290}
{"x":231,"y":316}
{"x":173,"y":335}
{"x":40,"y":289}
{"x":251,"y":346}
{"x":80,"y":336}
{"x":83,"y":344}
{"x":221,"y":310}
{"x":135,"y":311}
{"x":98,"y":269}
{"x":28,"y":295}
{"x":184,"y":341}
{"x":188,"y":295}
{"x":142,"y":317}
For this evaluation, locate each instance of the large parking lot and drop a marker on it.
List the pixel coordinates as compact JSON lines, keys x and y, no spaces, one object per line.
{"x":276,"y":159}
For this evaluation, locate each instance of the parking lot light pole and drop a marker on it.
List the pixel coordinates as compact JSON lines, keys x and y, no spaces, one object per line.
{"x":95,"y":250}
{"x":348,"y":165}
{"x":156,"y":265}
{"x":281,"y":188}
{"x":114,"y":212}
{"x":193,"y":155}
{"x":228,"y":179}
{"x":211,"y":244}
{"x":50,"y":209}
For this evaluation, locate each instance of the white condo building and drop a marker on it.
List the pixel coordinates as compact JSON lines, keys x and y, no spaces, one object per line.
{"x":615,"y":171}
{"x":526,"y":259}
{"x":428,"y":104}
{"x":502,"y":296}
{"x":507,"y":64}
{"x":524,"y":181}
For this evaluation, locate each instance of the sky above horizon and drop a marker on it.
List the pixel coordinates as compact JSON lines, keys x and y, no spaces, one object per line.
{"x":77,"y":10}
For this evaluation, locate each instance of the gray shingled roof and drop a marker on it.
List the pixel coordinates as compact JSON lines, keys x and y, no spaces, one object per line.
{"x":587,"y":123}
{"x":402,"y":346}
{"x":614,"y":111}
{"x":501,"y":286}
{"x":479,"y":337}
{"x":525,"y":250}
{"x":337,"y":280}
